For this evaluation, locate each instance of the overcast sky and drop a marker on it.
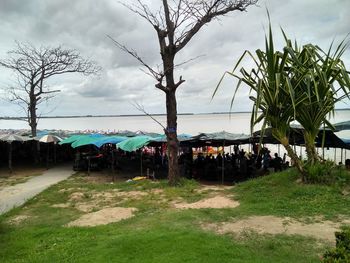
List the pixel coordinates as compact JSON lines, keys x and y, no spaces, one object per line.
{"x":85,"y":24}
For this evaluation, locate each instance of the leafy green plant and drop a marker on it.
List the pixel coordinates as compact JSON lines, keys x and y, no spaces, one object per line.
{"x":324,"y":82}
{"x":271,"y":89}
{"x":320,"y":172}
{"x":341,"y":252}
{"x":327,"y":173}
{"x":297,"y":84}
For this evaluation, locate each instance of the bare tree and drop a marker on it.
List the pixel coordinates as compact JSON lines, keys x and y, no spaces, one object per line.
{"x":33,"y":66}
{"x":176,"y":23}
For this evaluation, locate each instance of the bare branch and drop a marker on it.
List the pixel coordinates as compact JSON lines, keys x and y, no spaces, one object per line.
{"x":205,"y":11}
{"x":144,"y":11}
{"x":34,"y":65}
{"x":142,"y":109}
{"x":187,"y":61}
{"x":157,"y":75}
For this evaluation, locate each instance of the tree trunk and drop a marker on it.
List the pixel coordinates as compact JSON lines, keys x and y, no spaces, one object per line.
{"x":294,"y":157}
{"x":311,"y":152}
{"x":32,"y":117}
{"x":32,"y":120}
{"x":173,"y":144}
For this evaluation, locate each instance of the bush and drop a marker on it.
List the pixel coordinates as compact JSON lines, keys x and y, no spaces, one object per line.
{"x":327,"y":173}
{"x":341,"y":252}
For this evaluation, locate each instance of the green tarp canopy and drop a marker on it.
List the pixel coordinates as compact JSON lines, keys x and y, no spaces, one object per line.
{"x":134,"y":143}
{"x":70,"y":139}
{"x":87,"y":140}
{"x":109,"y":139}
{"x":81,"y":140}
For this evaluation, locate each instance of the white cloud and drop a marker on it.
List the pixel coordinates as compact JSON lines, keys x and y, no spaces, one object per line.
{"x":85,"y":24}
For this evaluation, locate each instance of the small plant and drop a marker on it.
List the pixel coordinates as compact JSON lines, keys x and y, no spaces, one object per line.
{"x":341,"y":252}
{"x":327,"y":173}
{"x":320,"y":172}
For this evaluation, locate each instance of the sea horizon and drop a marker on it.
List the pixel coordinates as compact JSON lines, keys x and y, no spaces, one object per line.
{"x":133,"y":115}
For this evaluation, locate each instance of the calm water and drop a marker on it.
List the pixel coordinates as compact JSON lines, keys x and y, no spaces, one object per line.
{"x":192,"y":124}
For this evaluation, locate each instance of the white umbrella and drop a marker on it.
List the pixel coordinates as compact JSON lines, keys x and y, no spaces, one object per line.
{"x":9,"y":138}
{"x":50,"y":138}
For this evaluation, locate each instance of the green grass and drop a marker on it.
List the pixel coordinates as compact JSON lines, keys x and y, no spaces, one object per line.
{"x":160,"y":233}
{"x":282,"y":194}
{"x":164,"y":242}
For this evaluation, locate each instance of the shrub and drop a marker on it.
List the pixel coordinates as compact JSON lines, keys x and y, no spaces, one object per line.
{"x":327,"y":173}
{"x":341,"y":252}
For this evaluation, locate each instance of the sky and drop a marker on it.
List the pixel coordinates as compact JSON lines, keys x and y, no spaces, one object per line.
{"x":84,"y":25}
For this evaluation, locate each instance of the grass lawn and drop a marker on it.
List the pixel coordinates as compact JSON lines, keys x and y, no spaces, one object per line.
{"x":161,"y":233}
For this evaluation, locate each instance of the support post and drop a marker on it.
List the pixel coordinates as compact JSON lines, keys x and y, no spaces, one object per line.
{"x":10,"y":156}
{"x":341,"y":155}
{"x":89,"y":162}
{"x":141,"y":162}
{"x":223,"y":164}
{"x":279,"y":150}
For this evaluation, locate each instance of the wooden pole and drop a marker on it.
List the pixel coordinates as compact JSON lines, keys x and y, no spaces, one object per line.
{"x":323,"y":152}
{"x":112,"y":162}
{"x":88,"y":158}
{"x":10,"y":156}
{"x":295,"y":148}
{"x":279,"y":150}
{"x":54,"y":153}
{"x":345,"y":155}
{"x":141,"y":162}
{"x":223,"y":165}
{"x":47,"y":155}
{"x":341,"y":155}
{"x":335,"y":155}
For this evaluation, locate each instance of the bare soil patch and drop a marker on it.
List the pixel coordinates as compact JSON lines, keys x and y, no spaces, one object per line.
{"x":18,"y":219}
{"x":104,"y":216}
{"x":132,"y":194}
{"x":276,"y":225}
{"x":216,"y":188}
{"x":77,"y":196}
{"x":99,"y":178}
{"x":64,"y":205}
{"x":92,"y":200}
{"x":213,"y":202}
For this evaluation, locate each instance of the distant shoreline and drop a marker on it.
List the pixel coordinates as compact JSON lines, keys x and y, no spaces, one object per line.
{"x":131,"y":115}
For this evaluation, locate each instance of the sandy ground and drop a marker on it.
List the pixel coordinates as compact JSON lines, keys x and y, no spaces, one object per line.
{"x":16,"y":195}
{"x":106,"y":213}
{"x":104,"y":216}
{"x":213,"y":202}
{"x":104,"y":202}
{"x":17,"y":220}
{"x":323,"y":230}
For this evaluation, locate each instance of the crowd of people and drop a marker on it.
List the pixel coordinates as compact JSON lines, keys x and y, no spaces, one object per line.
{"x":235,"y":166}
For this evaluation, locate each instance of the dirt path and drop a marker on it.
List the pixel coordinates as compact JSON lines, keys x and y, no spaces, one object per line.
{"x":16,"y":195}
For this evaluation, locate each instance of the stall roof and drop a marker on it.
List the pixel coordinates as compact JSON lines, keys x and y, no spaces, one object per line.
{"x":296,"y":137}
{"x":134,"y":143}
{"x":219,"y":139}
